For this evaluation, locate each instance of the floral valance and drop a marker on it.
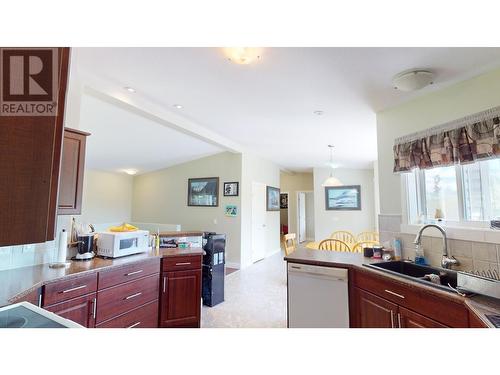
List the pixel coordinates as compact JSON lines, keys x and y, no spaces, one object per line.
{"x":464,"y":140}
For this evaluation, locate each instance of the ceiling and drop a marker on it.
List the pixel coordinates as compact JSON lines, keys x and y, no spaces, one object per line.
{"x":267,"y":107}
{"x":122,"y":139}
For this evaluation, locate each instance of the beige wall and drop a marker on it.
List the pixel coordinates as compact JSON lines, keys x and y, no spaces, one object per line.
{"x":326,"y":221}
{"x":107,"y":197}
{"x":292,"y":183}
{"x":161,"y":197}
{"x":462,"y":99}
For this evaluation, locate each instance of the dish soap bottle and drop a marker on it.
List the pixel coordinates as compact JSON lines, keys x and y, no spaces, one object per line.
{"x":419,"y":255}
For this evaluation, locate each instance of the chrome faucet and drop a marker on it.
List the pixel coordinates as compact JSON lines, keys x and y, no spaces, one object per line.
{"x":446,"y":261}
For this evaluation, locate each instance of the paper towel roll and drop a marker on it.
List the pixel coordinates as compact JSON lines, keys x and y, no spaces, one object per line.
{"x":63,"y":247}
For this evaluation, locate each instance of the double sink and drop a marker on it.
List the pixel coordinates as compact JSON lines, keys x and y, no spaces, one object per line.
{"x":447,"y":278}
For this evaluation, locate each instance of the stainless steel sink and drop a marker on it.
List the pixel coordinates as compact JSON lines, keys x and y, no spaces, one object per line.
{"x":417,"y":272}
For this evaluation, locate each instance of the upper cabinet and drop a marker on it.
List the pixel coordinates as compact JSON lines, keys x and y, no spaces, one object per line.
{"x":72,"y":167}
{"x":30,"y":146}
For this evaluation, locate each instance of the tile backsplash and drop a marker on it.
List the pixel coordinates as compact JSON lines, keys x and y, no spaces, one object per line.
{"x":32,"y":254}
{"x":472,"y":255}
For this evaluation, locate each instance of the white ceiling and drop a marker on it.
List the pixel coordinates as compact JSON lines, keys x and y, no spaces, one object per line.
{"x":122,"y":139}
{"x":268,"y":106}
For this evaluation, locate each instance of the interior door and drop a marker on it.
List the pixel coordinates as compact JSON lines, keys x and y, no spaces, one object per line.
{"x":259,"y":225}
{"x":302,"y":216}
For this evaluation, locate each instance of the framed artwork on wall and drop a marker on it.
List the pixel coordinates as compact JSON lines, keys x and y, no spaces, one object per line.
{"x":231,"y":189}
{"x":272,"y":198}
{"x":284,"y":200}
{"x":347,"y":198}
{"x":203,"y":192}
{"x":231,"y":210}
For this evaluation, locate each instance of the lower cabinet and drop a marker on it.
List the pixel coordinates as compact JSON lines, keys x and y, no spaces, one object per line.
{"x":145,"y":316}
{"x":372,"y":311}
{"x":181,"y":299}
{"x":80,"y":310}
{"x":411,"y":319}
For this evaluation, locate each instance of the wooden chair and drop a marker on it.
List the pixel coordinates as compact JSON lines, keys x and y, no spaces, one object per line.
{"x":332,"y":244}
{"x":360,"y":245}
{"x":290,"y":243}
{"x":367,"y":236}
{"x":344,"y":236}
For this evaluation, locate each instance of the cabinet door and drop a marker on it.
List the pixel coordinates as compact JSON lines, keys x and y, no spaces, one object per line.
{"x":81,"y":310}
{"x":374,"y":312}
{"x":30,"y":154}
{"x":411,"y":319}
{"x":72,"y":167}
{"x":181,"y":299}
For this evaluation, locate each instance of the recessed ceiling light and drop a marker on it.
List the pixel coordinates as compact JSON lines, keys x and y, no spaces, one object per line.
{"x":243,"y":55}
{"x":178,"y":106}
{"x":318,"y":112}
{"x":130,"y":89}
{"x":130,"y":171}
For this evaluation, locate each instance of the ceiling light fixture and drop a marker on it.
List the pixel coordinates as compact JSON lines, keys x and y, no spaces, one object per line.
{"x":411,"y":80}
{"x":130,"y":172}
{"x":178,"y":106}
{"x":130,"y":89}
{"x":331,"y":181}
{"x":243,"y":55}
{"x":318,"y":112}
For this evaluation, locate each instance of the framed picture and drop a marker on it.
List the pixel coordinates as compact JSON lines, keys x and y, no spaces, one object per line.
{"x":231,"y":210}
{"x":272,"y":198}
{"x":231,"y":189}
{"x":284,"y":200}
{"x":343,"y":197}
{"x":203,"y":192}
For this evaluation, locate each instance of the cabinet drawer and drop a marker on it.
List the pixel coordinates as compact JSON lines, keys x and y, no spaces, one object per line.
{"x":119,"y":299}
{"x":182,"y":263}
{"x":128,"y":273}
{"x":66,"y":289}
{"x":441,"y":309}
{"x":145,"y":316}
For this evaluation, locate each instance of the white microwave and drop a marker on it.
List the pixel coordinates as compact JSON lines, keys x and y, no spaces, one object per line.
{"x":119,"y":244}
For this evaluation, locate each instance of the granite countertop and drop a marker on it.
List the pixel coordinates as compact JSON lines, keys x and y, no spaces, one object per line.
{"x":479,"y":305}
{"x":18,"y":282}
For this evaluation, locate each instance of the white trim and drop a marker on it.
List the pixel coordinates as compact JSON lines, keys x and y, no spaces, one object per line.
{"x":233,"y":265}
{"x":457,"y":233}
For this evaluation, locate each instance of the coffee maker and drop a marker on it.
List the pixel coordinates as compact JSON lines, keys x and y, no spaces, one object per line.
{"x":84,"y":235}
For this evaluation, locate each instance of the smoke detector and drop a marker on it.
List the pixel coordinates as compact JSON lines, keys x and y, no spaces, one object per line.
{"x":411,"y":80}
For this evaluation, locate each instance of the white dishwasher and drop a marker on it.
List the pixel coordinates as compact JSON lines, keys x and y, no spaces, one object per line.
{"x":317,"y":297}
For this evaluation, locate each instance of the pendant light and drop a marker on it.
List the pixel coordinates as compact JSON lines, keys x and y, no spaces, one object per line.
{"x":331,"y":181}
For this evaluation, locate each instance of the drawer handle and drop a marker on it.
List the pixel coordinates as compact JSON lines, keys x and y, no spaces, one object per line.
{"x":394,"y":294}
{"x":133,"y":273}
{"x":183,"y":264}
{"x":134,"y":325}
{"x":133,"y":295}
{"x":73,"y":289}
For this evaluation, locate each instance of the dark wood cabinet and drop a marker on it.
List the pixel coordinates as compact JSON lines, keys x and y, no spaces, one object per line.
{"x":373,"y":312}
{"x":80,"y":310}
{"x":72,"y":170}
{"x":410,"y":319}
{"x":181,"y":299}
{"x":30,"y":155}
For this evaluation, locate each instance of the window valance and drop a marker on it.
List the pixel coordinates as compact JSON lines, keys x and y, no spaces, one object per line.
{"x":460,"y":141}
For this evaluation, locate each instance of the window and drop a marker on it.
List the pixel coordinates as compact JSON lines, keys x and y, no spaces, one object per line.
{"x":462,"y":193}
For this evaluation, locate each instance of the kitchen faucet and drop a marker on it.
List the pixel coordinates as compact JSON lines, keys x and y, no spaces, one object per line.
{"x":446,"y":261}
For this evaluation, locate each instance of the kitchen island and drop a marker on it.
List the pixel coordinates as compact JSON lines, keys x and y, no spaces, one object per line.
{"x":380,"y":299}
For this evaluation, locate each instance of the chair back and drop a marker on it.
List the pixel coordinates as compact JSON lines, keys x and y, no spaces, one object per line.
{"x":367,"y":236}
{"x":332,"y":244}
{"x":344,"y":236}
{"x":290,"y":243}
{"x":360,"y":245}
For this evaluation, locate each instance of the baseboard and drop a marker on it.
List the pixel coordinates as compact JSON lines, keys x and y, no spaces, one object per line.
{"x":233,"y":265}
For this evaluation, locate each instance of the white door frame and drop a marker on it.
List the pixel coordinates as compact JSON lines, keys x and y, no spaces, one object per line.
{"x":298,"y":216}
{"x":257,"y":255}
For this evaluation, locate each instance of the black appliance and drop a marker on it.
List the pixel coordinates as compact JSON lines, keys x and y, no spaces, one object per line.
{"x":213,"y":268}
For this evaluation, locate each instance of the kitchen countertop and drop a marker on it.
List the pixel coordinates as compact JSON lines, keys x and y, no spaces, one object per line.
{"x":478,"y":305}
{"x":18,"y":282}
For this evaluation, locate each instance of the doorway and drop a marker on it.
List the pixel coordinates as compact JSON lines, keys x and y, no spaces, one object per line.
{"x":305,"y":216}
{"x":284,"y":221}
{"x":259,"y":224}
